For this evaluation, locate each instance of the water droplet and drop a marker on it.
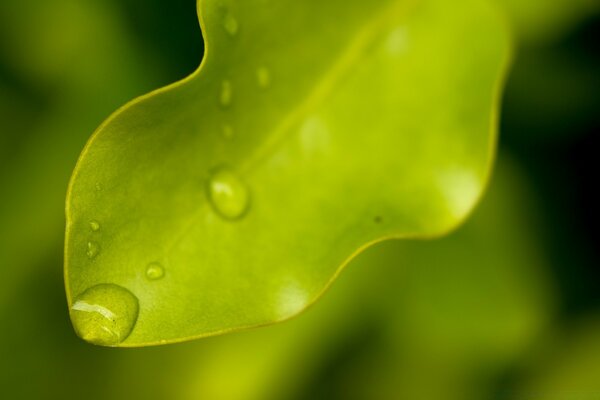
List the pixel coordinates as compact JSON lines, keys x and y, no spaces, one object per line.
{"x":228,"y":194}
{"x":226,"y":93}
{"x":94,"y":226}
{"x":227,"y":131}
{"x":155,"y":271}
{"x":231,"y":25}
{"x":93,"y":249}
{"x":263,"y":76}
{"x":105,"y":314}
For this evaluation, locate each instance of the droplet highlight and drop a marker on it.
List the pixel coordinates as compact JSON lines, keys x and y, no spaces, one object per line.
{"x":155,"y":271}
{"x":93,"y":249}
{"x":228,"y":194}
{"x":263,"y":77}
{"x":226,"y":96}
{"x":94,"y":226}
{"x":105,"y":314}
{"x":231,"y":25}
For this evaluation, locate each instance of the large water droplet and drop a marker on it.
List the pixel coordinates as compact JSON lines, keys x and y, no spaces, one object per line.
{"x":226,"y":96}
{"x":231,"y":25}
{"x":94,"y":226}
{"x":93,"y":249}
{"x":155,"y":271}
{"x":105,"y":314}
{"x":263,"y":77}
{"x":228,"y":195}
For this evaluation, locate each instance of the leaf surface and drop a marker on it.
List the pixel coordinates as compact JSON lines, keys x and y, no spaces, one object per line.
{"x":311,"y":130}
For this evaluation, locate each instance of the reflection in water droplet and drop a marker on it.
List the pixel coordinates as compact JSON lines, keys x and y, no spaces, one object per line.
{"x":228,"y":195}
{"x":94,"y":226}
{"x":226,"y":93}
{"x":104,"y":314}
{"x":227,"y":131}
{"x":93,"y":249}
{"x":231,"y":25}
{"x":263,"y":76}
{"x":155,"y":271}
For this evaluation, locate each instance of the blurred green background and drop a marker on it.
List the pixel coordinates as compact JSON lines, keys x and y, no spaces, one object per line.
{"x":507,"y":307}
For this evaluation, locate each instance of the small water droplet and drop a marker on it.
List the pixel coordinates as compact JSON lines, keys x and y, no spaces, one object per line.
{"x":231,"y":25}
{"x":105,"y":314}
{"x":155,"y":271}
{"x":93,"y":249}
{"x":228,"y":195}
{"x":226,"y":96}
{"x":227,"y":131}
{"x":94,"y":226}
{"x":263,"y":76}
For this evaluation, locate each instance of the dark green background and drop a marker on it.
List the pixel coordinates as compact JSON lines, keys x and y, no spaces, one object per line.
{"x":66,"y":65}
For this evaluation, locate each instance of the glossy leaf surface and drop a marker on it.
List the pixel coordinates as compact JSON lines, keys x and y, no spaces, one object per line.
{"x":311,"y":130}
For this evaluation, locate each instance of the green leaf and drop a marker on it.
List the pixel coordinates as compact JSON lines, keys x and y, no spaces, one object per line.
{"x":311,"y":130}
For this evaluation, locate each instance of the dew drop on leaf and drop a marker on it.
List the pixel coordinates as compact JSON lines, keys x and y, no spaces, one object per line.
{"x":155,"y":271}
{"x":93,"y":249}
{"x":231,"y":25}
{"x":94,"y":226}
{"x":228,"y":194}
{"x":263,"y":77}
{"x":105,"y":314}
{"x":226,"y":96}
